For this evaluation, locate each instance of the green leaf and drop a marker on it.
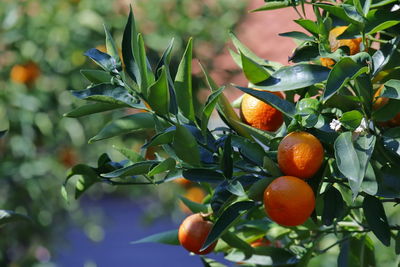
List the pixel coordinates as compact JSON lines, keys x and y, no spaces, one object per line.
{"x":88,"y":178}
{"x":345,"y":12}
{"x":168,"y":237}
{"x":124,"y":125}
{"x":282,"y":105}
{"x":211,"y":262}
{"x":8,"y":216}
{"x":391,"y":140}
{"x":137,"y":168}
{"x":227,"y":158}
{"x":381,"y":57}
{"x":297,"y":35}
{"x":389,"y":182}
{"x":183,"y":83}
{"x":194,"y":206}
{"x":364,"y":146}
{"x":102,"y":59}
{"x":112,"y":47}
{"x":227,"y":219}
{"x":236,"y":242}
{"x":357,"y":251}
{"x":397,"y":244}
{"x":146,"y":75}
{"x":307,"y":51}
{"x":376,"y":219}
{"x":264,"y":256}
{"x":272,"y":5}
{"x":209,"y":107}
{"x":309,"y":25}
{"x":351,"y":119}
{"x":343,"y":71}
{"x":185,"y":146}
{"x":158,"y":98}
{"x":391,"y":89}
{"x":263,"y":136}
{"x":96,"y":76}
{"x":294,"y":77}
{"x":89,"y":109}
{"x":387,"y":112}
{"x":2,"y":133}
{"x":130,"y":48}
{"x":107,"y":93}
{"x":254,"y":72}
{"x":162,"y":138}
{"x":203,"y":175}
{"x":333,"y":206}
{"x":129,"y":154}
{"x":166,"y":165}
{"x":346,"y":157}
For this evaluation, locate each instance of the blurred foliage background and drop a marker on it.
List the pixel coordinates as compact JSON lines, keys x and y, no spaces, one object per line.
{"x":41,"y":52}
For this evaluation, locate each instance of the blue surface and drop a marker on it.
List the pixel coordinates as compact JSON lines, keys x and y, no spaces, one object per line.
{"x":121,"y":227}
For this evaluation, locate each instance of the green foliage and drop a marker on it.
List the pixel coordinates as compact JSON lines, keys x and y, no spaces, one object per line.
{"x":236,"y":163}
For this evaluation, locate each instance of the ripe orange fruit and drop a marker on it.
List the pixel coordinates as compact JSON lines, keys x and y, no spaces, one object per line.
{"x":352,"y":44}
{"x":289,"y":201}
{"x":194,"y":194}
{"x":379,"y":103}
{"x":300,"y":154}
{"x":193,"y":233}
{"x":264,"y":242}
{"x":259,"y":114}
{"x":25,"y":73}
{"x":183,"y":182}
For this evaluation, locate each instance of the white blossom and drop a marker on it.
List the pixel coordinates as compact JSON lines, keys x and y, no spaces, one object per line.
{"x":362,"y":127}
{"x":335,"y":125}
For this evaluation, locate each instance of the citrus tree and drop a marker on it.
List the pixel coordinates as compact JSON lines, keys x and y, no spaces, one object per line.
{"x":309,"y":167}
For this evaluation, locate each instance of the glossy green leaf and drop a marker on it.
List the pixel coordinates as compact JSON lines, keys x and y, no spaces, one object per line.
{"x":129,"y":154}
{"x":391,"y":89}
{"x":381,"y":57}
{"x":209,"y":107}
{"x":183,"y":83}
{"x":168,"y":237}
{"x":89,"y":109}
{"x":254,"y":72}
{"x":146,"y":75}
{"x":343,"y":71}
{"x":284,"y":106}
{"x":194,"y":206}
{"x":203,"y":175}
{"x":263,"y":136}
{"x":162,"y":138}
{"x":309,"y":25}
{"x":297,"y":35}
{"x":8,"y":216}
{"x":166,"y":165}
{"x":272,"y":5}
{"x":227,"y":219}
{"x":264,"y":256}
{"x":107,"y":93}
{"x":357,"y":251}
{"x":346,"y":157}
{"x":307,"y":51}
{"x":88,"y":177}
{"x":227,"y":158}
{"x":236,"y":242}
{"x":112,"y":47}
{"x":333,"y":206}
{"x":389,"y":182}
{"x":130,"y":48}
{"x":185,"y":146}
{"x":376,"y":219}
{"x":387,"y":112}
{"x":124,"y":125}
{"x":96,"y":76}
{"x":207,"y":262}
{"x":345,"y":12}
{"x":397,"y":243}
{"x":294,"y":77}
{"x":391,"y":140}
{"x":364,"y":146}
{"x":104,"y":60}
{"x":137,"y":168}
{"x":351,"y":119}
{"x":158,"y":97}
